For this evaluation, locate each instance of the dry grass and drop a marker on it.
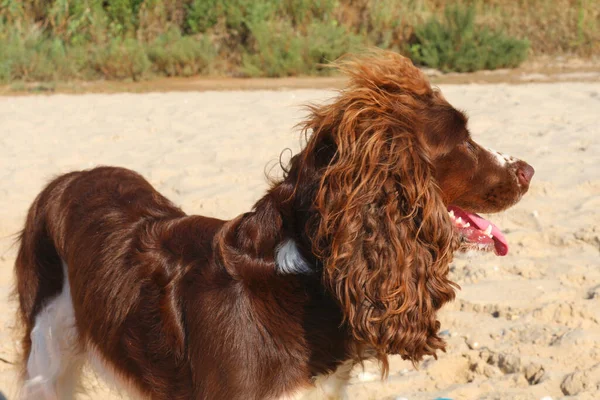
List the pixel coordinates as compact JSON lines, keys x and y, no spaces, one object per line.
{"x":551,"y":26}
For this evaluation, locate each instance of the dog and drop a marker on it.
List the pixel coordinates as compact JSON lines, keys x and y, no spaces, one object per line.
{"x":346,"y":258}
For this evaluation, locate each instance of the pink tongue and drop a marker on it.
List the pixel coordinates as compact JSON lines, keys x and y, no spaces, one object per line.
{"x":500,"y":243}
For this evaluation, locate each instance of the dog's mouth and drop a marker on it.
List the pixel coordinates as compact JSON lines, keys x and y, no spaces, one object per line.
{"x":477,"y":233}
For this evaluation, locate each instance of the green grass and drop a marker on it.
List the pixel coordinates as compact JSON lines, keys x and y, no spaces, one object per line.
{"x":121,"y":59}
{"x":172,"y":54}
{"x":29,"y":56}
{"x":279,"y":50}
{"x":457,"y":44}
{"x":137,"y":39}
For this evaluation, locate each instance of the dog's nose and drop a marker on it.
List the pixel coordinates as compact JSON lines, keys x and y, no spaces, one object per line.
{"x":525,"y":173}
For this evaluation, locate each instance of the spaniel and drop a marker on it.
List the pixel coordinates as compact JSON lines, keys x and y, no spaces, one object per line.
{"x":346,"y":258}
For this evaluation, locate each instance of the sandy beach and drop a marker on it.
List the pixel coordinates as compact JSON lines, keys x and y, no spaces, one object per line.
{"x":525,"y":326}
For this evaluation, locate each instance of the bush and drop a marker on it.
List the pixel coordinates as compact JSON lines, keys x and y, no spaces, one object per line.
{"x":277,"y":50}
{"x":174,"y":55}
{"x":457,"y":44}
{"x":203,"y":15}
{"x":280,"y":50}
{"x":303,"y":12}
{"x":237,"y":15}
{"x":121,"y":59}
{"x":123,"y":15}
{"x":383,"y":21}
{"x":30,"y":56}
{"x":153,"y":20}
{"x":327,"y":41}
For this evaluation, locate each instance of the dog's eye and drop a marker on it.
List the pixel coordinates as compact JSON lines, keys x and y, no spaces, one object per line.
{"x":470,"y":147}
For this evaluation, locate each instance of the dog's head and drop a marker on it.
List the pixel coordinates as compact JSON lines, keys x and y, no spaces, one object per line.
{"x":388,"y":170}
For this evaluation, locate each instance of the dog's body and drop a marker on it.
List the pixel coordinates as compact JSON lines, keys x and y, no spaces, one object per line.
{"x":171,"y":290}
{"x":345,"y":259}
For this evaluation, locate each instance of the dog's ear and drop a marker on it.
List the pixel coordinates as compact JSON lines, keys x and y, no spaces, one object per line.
{"x":387,"y":244}
{"x":380,"y":226}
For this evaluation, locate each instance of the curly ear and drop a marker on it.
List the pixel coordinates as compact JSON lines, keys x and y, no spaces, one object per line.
{"x":387,"y":243}
{"x":381,"y":228}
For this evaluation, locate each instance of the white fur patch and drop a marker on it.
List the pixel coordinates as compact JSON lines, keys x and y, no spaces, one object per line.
{"x":289,"y":260}
{"x":502,"y":159}
{"x":326,"y":387}
{"x":55,"y":361}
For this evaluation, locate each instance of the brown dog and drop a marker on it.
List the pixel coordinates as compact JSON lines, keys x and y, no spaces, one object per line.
{"x":346,"y":258}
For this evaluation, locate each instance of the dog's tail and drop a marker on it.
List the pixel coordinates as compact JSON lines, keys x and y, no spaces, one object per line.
{"x":38,"y":267}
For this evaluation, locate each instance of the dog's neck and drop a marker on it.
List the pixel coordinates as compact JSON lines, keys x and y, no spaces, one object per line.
{"x":273,"y":236}
{"x":281,"y":289}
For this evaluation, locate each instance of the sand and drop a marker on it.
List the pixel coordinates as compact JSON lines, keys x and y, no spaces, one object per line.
{"x":523,"y":326}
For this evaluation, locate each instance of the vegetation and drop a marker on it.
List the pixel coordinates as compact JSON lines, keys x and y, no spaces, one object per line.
{"x":457,"y":44}
{"x":49,"y":40}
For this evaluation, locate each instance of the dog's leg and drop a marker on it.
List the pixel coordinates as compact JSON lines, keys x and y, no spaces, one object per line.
{"x":56,"y":359}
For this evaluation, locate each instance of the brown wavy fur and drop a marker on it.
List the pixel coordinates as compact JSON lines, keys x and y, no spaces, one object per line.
{"x":382,"y":228}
